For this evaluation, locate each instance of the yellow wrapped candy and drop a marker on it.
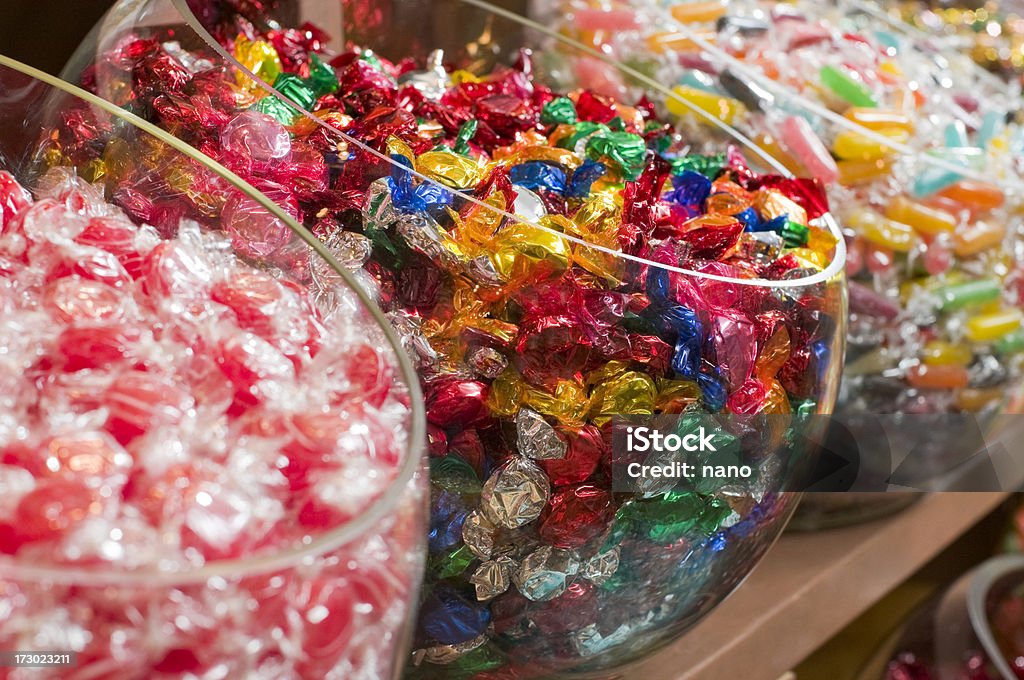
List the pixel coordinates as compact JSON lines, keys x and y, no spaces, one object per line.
{"x":810,"y":259}
{"x":519,"y":249}
{"x":882,"y":231}
{"x":261,"y":59}
{"x":664,"y":42}
{"x":506,"y":395}
{"x":451,"y":169}
{"x":546,"y":154}
{"x":398,"y":147}
{"x":852,"y":173}
{"x":992,"y":326}
{"x":462,"y":76}
{"x":941,"y":353}
{"x":821,"y":241}
{"x":880,"y":119}
{"x":628,"y":393}
{"x":117,"y":158}
{"x":924,"y":219}
{"x":698,"y":11}
{"x":597,"y":221}
{"x":725,"y":109}
{"x":568,"y":404}
{"x":855,"y":146}
{"x":675,"y":395}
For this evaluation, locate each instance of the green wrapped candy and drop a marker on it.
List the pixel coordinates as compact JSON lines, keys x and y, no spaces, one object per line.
{"x":622,"y":150}
{"x":845,"y":86}
{"x":560,"y":111}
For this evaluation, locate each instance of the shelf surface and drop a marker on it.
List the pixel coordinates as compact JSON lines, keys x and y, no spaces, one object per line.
{"x":809,"y":587}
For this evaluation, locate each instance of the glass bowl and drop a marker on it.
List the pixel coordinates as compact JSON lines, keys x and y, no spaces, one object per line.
{"x":536,"y":321}
{"x":973,"y":630}
{"x":192,"y":487}
{"x":841,"y":95}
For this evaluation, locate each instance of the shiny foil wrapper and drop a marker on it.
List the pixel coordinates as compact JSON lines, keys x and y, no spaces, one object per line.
{"x":492,"y":578}
{"x":546,"y":573}
{"x":478,"y":534}
{"x":515,"y":494}
{"x":536,"y":438}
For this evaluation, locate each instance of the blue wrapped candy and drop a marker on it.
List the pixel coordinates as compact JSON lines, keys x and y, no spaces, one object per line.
{"x":412,"y":198}
{"x":535,"y":175}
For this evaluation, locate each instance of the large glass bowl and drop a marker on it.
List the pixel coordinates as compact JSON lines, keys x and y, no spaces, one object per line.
{"x":920,"y":165}
{"x":537,"y":337}
{"x":172,"y":523}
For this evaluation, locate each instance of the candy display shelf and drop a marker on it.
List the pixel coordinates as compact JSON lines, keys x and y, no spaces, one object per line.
{"x":810,"y":587}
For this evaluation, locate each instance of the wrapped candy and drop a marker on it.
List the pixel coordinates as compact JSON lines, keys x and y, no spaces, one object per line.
{"x":553,"y":260}
{"x":205,"y":470}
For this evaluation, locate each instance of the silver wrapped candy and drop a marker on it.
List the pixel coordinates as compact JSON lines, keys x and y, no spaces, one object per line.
{"x":515,"y":494}
{"x":478,"y":535}
{"x":589,"y":641}
{"x":482,"y":271}
{"x":415,"y":344}
{"x":546,"y":573}
{"x":763,"y":246}
{"x":423,"y":234}
{"x":434,"y":81}
{"x":486,"y":362}
{"x":601,"y":566}
{"x":528,"y":205}
{"x":350,"y":249}
{"x":536,"y":438}
{"x":492,"y":578}
{"x":988,"y":371}
{"x":192,"y":62}
{"x":379,"y":211}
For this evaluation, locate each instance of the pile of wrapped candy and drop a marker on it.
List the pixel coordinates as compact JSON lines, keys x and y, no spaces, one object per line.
{"x":918,"y":169}
{"x":551,"y":261}
{"x":174,"y":423}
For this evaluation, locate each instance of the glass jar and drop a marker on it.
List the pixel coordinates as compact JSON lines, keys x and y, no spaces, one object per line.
{"x":191,"y":486}
{"x":536,"y":322}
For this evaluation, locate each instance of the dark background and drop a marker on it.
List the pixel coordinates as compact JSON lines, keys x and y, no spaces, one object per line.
{"x":44,"y":33}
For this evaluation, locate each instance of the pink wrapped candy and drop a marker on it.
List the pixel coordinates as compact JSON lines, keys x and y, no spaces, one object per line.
{"x":196,"y":465}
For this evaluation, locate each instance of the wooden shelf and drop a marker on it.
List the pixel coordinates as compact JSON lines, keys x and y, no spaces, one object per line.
{"x":809,"y":587}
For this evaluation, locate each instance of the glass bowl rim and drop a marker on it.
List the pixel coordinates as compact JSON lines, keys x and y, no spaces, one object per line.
{"x":835,"y":271}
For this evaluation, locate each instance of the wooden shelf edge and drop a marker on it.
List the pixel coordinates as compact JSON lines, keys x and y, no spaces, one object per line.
{"x":809,"y":587}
